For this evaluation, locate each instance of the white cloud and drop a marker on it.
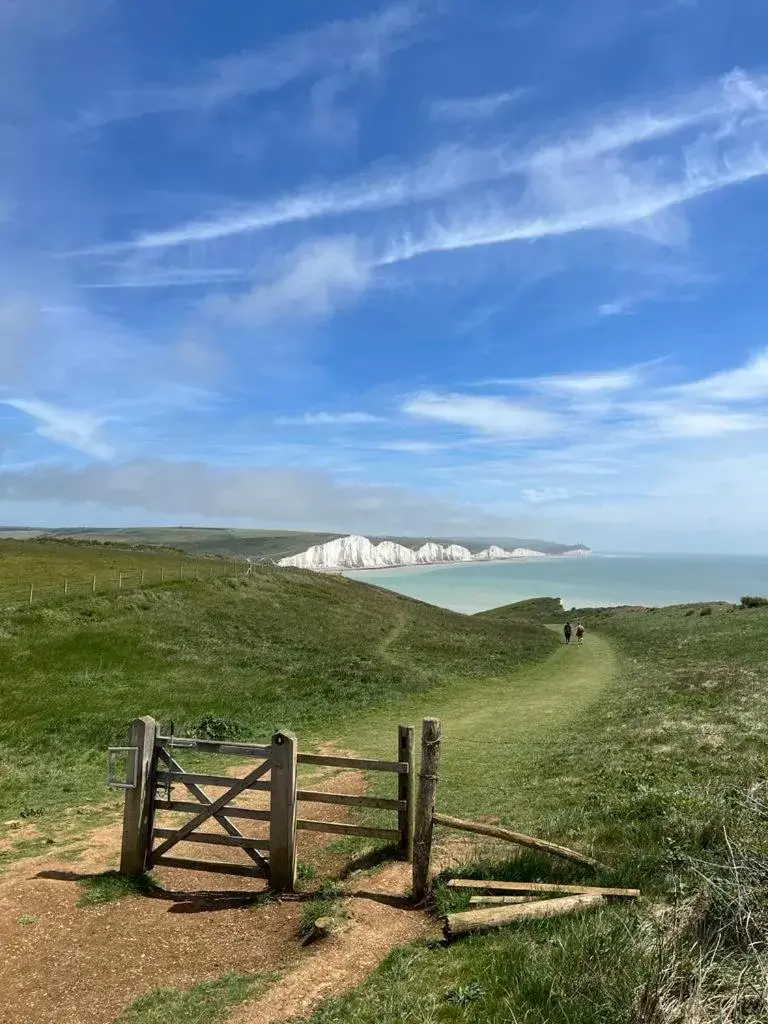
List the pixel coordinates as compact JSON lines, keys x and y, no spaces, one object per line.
{"x":321,"y":419}
{"x":545,"y":495}
{"x":742,"y":384}
{"x":593,"y":180}
{"x":487,"y":414}
{"x":444,"y":171}
{"x":412,"y":447}
{"x":670,"y":420}
{"x":79,"y":430}
{"x":589,"y":383}
{"x":311,"y":283}
{"x":474,"y":108}
{"x":619,"y":307}
{"x":357,"y":46}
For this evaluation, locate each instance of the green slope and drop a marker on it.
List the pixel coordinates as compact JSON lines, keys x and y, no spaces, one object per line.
{"x":237,"y":657}
{"x":271,"y":544}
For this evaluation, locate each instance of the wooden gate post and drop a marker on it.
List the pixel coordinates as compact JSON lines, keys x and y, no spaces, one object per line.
{"x":282,"y":813}
{"x":406,"y":790}
{"x":137,"y":812}
{"x":425,"y":807}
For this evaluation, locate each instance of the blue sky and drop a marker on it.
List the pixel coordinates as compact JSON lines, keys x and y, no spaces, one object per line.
{"x":449,"y":267}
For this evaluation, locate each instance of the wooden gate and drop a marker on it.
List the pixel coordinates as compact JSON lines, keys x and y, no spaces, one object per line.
{"x":155,"y":775}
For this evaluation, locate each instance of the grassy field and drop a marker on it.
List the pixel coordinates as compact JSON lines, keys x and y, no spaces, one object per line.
{"x":49,"y":564}
{"x":234,"y":658}
{"x":663,"y":774}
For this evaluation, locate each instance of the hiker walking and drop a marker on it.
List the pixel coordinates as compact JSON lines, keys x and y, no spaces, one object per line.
{"x":579,"y":633}
{"x":567,"y":632}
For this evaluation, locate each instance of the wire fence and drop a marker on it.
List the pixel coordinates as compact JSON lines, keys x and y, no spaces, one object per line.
{"x":19,"y":592}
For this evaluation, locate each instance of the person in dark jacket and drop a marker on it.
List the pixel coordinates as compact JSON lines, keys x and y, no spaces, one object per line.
{"x":567,"y":632}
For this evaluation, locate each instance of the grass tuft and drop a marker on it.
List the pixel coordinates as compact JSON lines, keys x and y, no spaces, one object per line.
{"x":206,"y":1003}
{"x":111,"y":886}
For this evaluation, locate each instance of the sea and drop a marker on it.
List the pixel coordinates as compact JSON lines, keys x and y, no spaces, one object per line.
{"x":595,"y":580}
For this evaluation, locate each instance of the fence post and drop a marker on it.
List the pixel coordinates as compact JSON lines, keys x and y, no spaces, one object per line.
{"x":66,"y":586}
{"x":31,"y":591}
{"x":119,"y":581}
{"x":137,"y":812}
{"x":282,"y":813}
{"x":141,"y":581}
{"x":425,"y":807}
{"x":406,"y":790}
{"x":181,"y":572}
{"x":93,"y":584}
{"x":162,"y":574}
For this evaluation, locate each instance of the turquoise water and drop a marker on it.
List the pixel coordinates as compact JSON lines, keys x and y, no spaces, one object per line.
{"x":581,"y":582}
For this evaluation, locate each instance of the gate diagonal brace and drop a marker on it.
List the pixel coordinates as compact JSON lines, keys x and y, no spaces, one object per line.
{"x":220,"y":817}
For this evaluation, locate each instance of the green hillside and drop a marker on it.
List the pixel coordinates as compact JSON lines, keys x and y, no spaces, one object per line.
{"x":271,"y":544}
{"x":238,"y":656}
{"x":50,"y":564}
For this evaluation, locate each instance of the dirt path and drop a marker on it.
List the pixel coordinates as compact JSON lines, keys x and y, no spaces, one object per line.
{"x":380,"y":918}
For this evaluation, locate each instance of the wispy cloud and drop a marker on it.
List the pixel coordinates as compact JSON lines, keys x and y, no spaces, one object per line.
{"x":446,"y":170}
{"x":474,"y":108}
{"x":73,"y":429}
{"x":745,"y":383}
{"x":357,"y":46}
{"x":590,"y":383}
{"x":488,"y":414}
{"x":329,"y":419}
{"x":574,"y":183}
{"x":311,"y":283}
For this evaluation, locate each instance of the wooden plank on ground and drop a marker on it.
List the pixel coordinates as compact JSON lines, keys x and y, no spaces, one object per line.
{"x":214,"y":839}
{"x":187,"y":806}
{"x":349,"y":800}
{"x":341,"y":829}
{"x":217,"y":867}
{"x":498,"y":832}
{"x":500,"y":901}
{"x":217,"y":781}
{"x":362,"y":763}
{"x":498,"y":917}
{"x":540,"y":887}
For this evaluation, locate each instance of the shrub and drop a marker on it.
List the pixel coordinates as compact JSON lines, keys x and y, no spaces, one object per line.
{"x":705,"y":611}
{"x":754,"y":602}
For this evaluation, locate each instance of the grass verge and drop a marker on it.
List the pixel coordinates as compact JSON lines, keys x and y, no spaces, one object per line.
{"x":206,"y":1003}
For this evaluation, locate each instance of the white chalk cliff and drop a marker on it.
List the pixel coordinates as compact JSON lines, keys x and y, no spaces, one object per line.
{"x":356,"y":552}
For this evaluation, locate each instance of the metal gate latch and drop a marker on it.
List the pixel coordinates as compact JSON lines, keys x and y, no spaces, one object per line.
{"x":114,"y":756}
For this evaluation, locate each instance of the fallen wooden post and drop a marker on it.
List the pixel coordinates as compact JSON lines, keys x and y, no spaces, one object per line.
{"x":498,"y":832}
{"x":541,"y":887}
{"x":498,"y":917}
{"x":499,"y":901}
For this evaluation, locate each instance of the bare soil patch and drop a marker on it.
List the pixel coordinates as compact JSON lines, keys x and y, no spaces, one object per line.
{"x":73,"y":964}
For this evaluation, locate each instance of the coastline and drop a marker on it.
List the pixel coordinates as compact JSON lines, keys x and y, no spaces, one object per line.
{"x":420,"y":566}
